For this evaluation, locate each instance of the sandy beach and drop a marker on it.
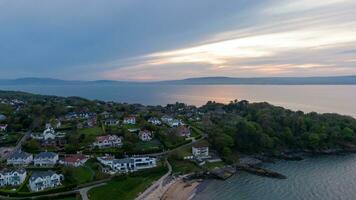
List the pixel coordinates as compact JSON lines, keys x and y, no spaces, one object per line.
{"x":181,"y":190}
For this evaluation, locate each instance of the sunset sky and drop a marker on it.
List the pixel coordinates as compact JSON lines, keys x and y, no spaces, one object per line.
{"x":148,"y":40}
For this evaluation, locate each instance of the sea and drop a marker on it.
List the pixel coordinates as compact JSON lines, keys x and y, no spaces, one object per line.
{"x":317,"y":178}
{"x":319,"y":98}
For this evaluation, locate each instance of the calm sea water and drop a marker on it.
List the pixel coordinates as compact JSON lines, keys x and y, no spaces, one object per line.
{"x":323,"y":178}
{"x":339,"y":99}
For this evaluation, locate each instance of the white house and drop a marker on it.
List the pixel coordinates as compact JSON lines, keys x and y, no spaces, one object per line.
{"x":200,"y":151}
{"x":20,"y":158}
{"x":145,"y":135}
{"x":75,"y":160}
{"x":41,"y":180}
{"x":3,"y":127}
{"x":172,"y":122}
{"x":130,"y":120}
{"x":48,"y":134}
{"x":12,"y":177}
{"x":166,"y":119}
{"x":108,"y":141}
{"x":154,"y":121}
{"x":175,"y":123}
{"x":106,"y":114}
{"x":126,"y":165}
{"x":45,"y":159}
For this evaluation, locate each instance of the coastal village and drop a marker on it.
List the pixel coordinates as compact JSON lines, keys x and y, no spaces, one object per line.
{"x":73,"y":148}
{"x":87,"y":147}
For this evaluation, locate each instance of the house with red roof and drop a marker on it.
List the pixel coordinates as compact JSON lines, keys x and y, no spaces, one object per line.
{"x":106,"y":141}
{"x":74,"y":160}
{"x":130,"y":120}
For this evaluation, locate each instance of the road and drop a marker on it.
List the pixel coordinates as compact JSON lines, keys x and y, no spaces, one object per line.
{"x":172,"y":150}
{"x":155,"y":190}
{"x":17,"y":147}
{"x":84,"y":191}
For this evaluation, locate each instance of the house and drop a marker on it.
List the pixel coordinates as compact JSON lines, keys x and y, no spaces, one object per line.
{"x":20,"y":158}
{"x":106,"y":114}
{"x":172,"y":122}
{"x":45,"y":159}
{"x":75,"y":160}
{"x":91,"y":121}
{"x":126,"y":165}
{"x":12,"y":177}
{"x":175,"y":123}
{"x":154,"y":121}
{"x":71,"y":116}
{"x":111,"y":122}
{"x":55,"y":123}
{"x":130,"y":120}
{"x":166,"y":119}
{"x":108,"y":141}
{"x":48,"y":134}
{"x":183,"y":131}
{"x":41,"y":180}
{"x":200,"y":151}
{"x":145,"y":135}
{"x":3,"y":127}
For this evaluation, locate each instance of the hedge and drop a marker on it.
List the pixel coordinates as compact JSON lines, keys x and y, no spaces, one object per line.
{"x":31,"y":194}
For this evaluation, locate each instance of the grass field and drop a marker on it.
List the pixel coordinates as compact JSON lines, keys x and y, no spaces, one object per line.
{"x":183,"y":166}
{"x":127,"y":187}
{"x":153,"y":144}
{"x":90,"y":134}
{"x":82,"y":174}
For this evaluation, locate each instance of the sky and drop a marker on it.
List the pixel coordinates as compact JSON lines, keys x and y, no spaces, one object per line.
{"x":149,"y":40}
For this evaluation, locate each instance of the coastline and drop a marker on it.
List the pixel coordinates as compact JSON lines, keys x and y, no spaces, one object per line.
{"x":182,"y":189}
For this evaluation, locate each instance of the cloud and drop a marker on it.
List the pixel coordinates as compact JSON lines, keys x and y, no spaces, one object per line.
{"x":281,"y":43}
{"x":156,"y":40}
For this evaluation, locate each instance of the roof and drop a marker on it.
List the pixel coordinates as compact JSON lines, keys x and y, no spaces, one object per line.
{"x":111,"y":120}
{"x":106,"y":137}
{"x":130,"y":117}
{"x":71,"y":158}
{"x":45,"y":155}
{"x":41,"y":174}
{"x":20,"y":154}
{"x":145,"y":132}
{"x":10,"y":171}
{"x":124,"y":160}
{"x":200,"y":146}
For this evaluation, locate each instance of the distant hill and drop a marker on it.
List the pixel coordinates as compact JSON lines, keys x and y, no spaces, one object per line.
{"x":335,"y":80}
{"x":332,"y":80}
{"x":50,"y":81}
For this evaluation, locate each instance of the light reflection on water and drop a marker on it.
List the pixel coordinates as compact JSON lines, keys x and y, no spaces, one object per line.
{"x":320,"y":98}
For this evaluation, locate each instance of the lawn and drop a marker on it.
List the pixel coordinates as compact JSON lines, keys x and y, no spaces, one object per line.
{"x":195,"y":132}
{"x":213,"y":165}
{"x":96,"y":167}
{"x":81,"y":174}
{"x":150,"y":145}
{"x":90,"y":134}
{"x":127,"y":187}
{"x":183,"y":166}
